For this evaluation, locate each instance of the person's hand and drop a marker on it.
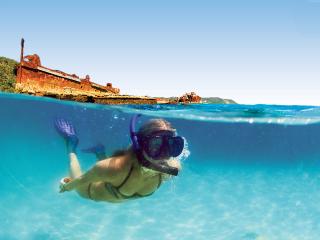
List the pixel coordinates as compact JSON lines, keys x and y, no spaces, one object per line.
{"x":64,"y":184}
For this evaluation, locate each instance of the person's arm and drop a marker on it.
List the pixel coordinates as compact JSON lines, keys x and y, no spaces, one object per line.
{"x":104,"y":170}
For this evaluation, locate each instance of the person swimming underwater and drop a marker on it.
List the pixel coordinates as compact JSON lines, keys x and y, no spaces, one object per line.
{"x":128,"y":174}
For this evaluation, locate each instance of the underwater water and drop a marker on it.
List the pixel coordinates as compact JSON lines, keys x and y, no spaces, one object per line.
{"x":253,"y":173}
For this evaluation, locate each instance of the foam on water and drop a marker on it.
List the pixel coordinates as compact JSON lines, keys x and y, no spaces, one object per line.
{"x":242,"y":180}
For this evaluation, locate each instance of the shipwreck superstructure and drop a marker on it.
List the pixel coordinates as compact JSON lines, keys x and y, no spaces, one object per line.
{"x":35,"y":79}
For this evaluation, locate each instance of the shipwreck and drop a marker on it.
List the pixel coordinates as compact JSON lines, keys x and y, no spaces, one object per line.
{"x":35,"y":79}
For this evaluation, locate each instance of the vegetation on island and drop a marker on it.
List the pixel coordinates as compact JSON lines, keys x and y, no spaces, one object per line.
{"x":216,"y":100}
{"x":8,"y":73}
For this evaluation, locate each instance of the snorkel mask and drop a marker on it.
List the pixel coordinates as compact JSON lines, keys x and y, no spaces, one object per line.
{"x":158,"y":145}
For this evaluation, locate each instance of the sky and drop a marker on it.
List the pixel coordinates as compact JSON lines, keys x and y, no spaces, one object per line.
{"x":251,"y":51}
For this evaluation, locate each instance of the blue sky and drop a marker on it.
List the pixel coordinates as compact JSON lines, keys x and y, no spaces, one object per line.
{"x":259,"y":51}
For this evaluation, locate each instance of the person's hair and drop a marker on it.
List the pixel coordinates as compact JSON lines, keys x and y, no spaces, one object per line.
{"x":120,"y":152}
{"x":154,"y":125}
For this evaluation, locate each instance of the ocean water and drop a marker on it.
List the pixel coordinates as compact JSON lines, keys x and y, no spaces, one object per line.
{"x":253,"y":173}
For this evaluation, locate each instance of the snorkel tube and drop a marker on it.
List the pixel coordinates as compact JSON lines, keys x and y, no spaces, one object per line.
{"x":163,"y":167}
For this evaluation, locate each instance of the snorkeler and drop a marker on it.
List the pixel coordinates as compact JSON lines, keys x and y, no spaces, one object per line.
{"x":128,"y":174}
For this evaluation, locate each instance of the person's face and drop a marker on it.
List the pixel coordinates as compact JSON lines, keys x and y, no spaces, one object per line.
{"x":162,"y":145}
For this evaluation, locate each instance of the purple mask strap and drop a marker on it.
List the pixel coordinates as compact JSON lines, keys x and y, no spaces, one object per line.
{"x":133,"y":135}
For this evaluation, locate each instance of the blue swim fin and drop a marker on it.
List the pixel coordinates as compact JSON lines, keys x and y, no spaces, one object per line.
{"x":99,"y":150}
{"x":67,"y":131}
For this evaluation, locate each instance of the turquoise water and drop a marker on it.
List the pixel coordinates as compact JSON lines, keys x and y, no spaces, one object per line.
{"x":253,"y":173}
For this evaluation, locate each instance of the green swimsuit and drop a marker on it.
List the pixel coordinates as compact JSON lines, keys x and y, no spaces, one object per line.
{"x":115,"y":191}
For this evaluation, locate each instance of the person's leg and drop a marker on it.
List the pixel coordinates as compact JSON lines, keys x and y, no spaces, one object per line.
{"x":75,"y":172}
{"x":75,"y":168}
{"x":67,"y":131}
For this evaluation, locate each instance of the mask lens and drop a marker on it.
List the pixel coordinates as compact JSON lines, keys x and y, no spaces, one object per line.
{"x":155,"y":142}
{"x":154,"y":145}
{"x":176,"y":145}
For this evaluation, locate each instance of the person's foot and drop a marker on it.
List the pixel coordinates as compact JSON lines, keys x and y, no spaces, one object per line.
{"x":67,"y":131}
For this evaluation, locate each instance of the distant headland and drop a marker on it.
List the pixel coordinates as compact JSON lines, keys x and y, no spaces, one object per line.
{"x":30,"y":77}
